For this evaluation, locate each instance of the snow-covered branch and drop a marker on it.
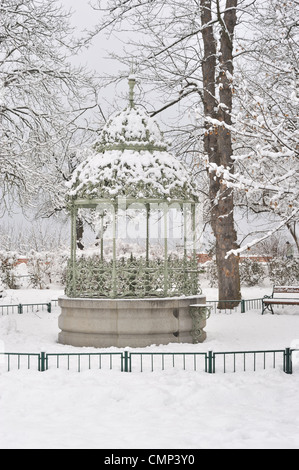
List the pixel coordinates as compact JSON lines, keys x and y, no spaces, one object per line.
{"x":254,"y":242}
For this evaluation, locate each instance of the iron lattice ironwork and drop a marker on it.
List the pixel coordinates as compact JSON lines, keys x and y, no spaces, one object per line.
{"x":132,"y":278}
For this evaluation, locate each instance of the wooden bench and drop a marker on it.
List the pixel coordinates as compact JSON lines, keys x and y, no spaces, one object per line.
{"x":269,"y":301}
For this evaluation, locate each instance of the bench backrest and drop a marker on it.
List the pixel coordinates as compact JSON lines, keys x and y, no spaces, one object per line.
{"x":286,"y":290}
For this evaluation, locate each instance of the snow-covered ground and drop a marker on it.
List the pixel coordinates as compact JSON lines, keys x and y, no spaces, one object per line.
{"x":170,"y":409}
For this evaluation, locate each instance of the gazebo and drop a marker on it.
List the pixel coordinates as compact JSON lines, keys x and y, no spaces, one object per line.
{"x":129,"y":300}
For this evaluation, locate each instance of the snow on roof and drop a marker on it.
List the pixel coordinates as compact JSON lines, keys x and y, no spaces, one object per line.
{"x":132,"y":126}
{"x":130,"y":159}
{"x":131,"y":173}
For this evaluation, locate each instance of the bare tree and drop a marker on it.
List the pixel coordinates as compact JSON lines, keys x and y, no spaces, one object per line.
{"x":185,"y":51}
{"x":43,"y":98}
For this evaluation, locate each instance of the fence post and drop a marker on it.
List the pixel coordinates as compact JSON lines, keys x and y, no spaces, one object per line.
{"x":42,"y":362}
{"x":20,"y":308}
{"x":288,"y":361}
{"x":126,"y":362}
{"x":49,"y":307}
{"x":210,"y":362}
{"x":242,"y":306}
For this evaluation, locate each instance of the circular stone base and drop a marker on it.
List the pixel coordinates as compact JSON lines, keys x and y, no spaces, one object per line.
{"x":102,"y":323}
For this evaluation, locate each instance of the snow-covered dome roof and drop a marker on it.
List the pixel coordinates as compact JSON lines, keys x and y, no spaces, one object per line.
{"x":131,"y":160}
{"x":132,"y":129}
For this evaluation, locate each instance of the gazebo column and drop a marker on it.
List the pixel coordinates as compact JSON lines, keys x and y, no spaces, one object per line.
{"x":74,"y":212}
{"x":194,"y":261}
{"x":165,"y":213}
{"x":184,"y":210}
{"x":147,"y":234}
{"x":147,"y":244}
{"x":114,"y":268}
{"x":102,"y":239}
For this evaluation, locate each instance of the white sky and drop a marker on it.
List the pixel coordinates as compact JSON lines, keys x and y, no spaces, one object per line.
{"x":96,"y":56}
{"x":84,"y":17}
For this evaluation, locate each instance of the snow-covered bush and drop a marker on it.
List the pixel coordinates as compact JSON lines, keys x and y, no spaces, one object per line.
{"x":252,"y":272}
{"x":45,"y":268}
{"x":2,"y":290}
{"x":8,"y":261}
{"x":282,"y":271}
{"x":39,"y":269}
{"x":60,"y":268}
{"x":211,"y":273}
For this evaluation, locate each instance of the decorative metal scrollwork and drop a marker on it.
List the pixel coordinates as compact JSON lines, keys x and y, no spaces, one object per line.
{"x":131,"y":278}
{"x":199,"y":314}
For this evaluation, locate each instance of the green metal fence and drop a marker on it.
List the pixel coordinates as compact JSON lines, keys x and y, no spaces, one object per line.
{"x":234,"y":361}
{"x":127,"y":361}
{"x":150,"y":361}
{"x":23,"y":308}
{"x":83,"y":361}
{"x":13,"y":361}
{"x":244,"y":306}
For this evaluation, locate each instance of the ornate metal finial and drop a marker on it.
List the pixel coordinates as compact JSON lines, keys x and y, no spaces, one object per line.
{"x":132,"y":82}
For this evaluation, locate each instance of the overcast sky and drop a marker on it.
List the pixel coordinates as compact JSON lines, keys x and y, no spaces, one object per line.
{"x":85,"y":18}
{"x":96,"y":56}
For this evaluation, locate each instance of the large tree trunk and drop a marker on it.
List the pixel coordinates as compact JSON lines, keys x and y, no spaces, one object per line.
{"x":218,"y":147}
